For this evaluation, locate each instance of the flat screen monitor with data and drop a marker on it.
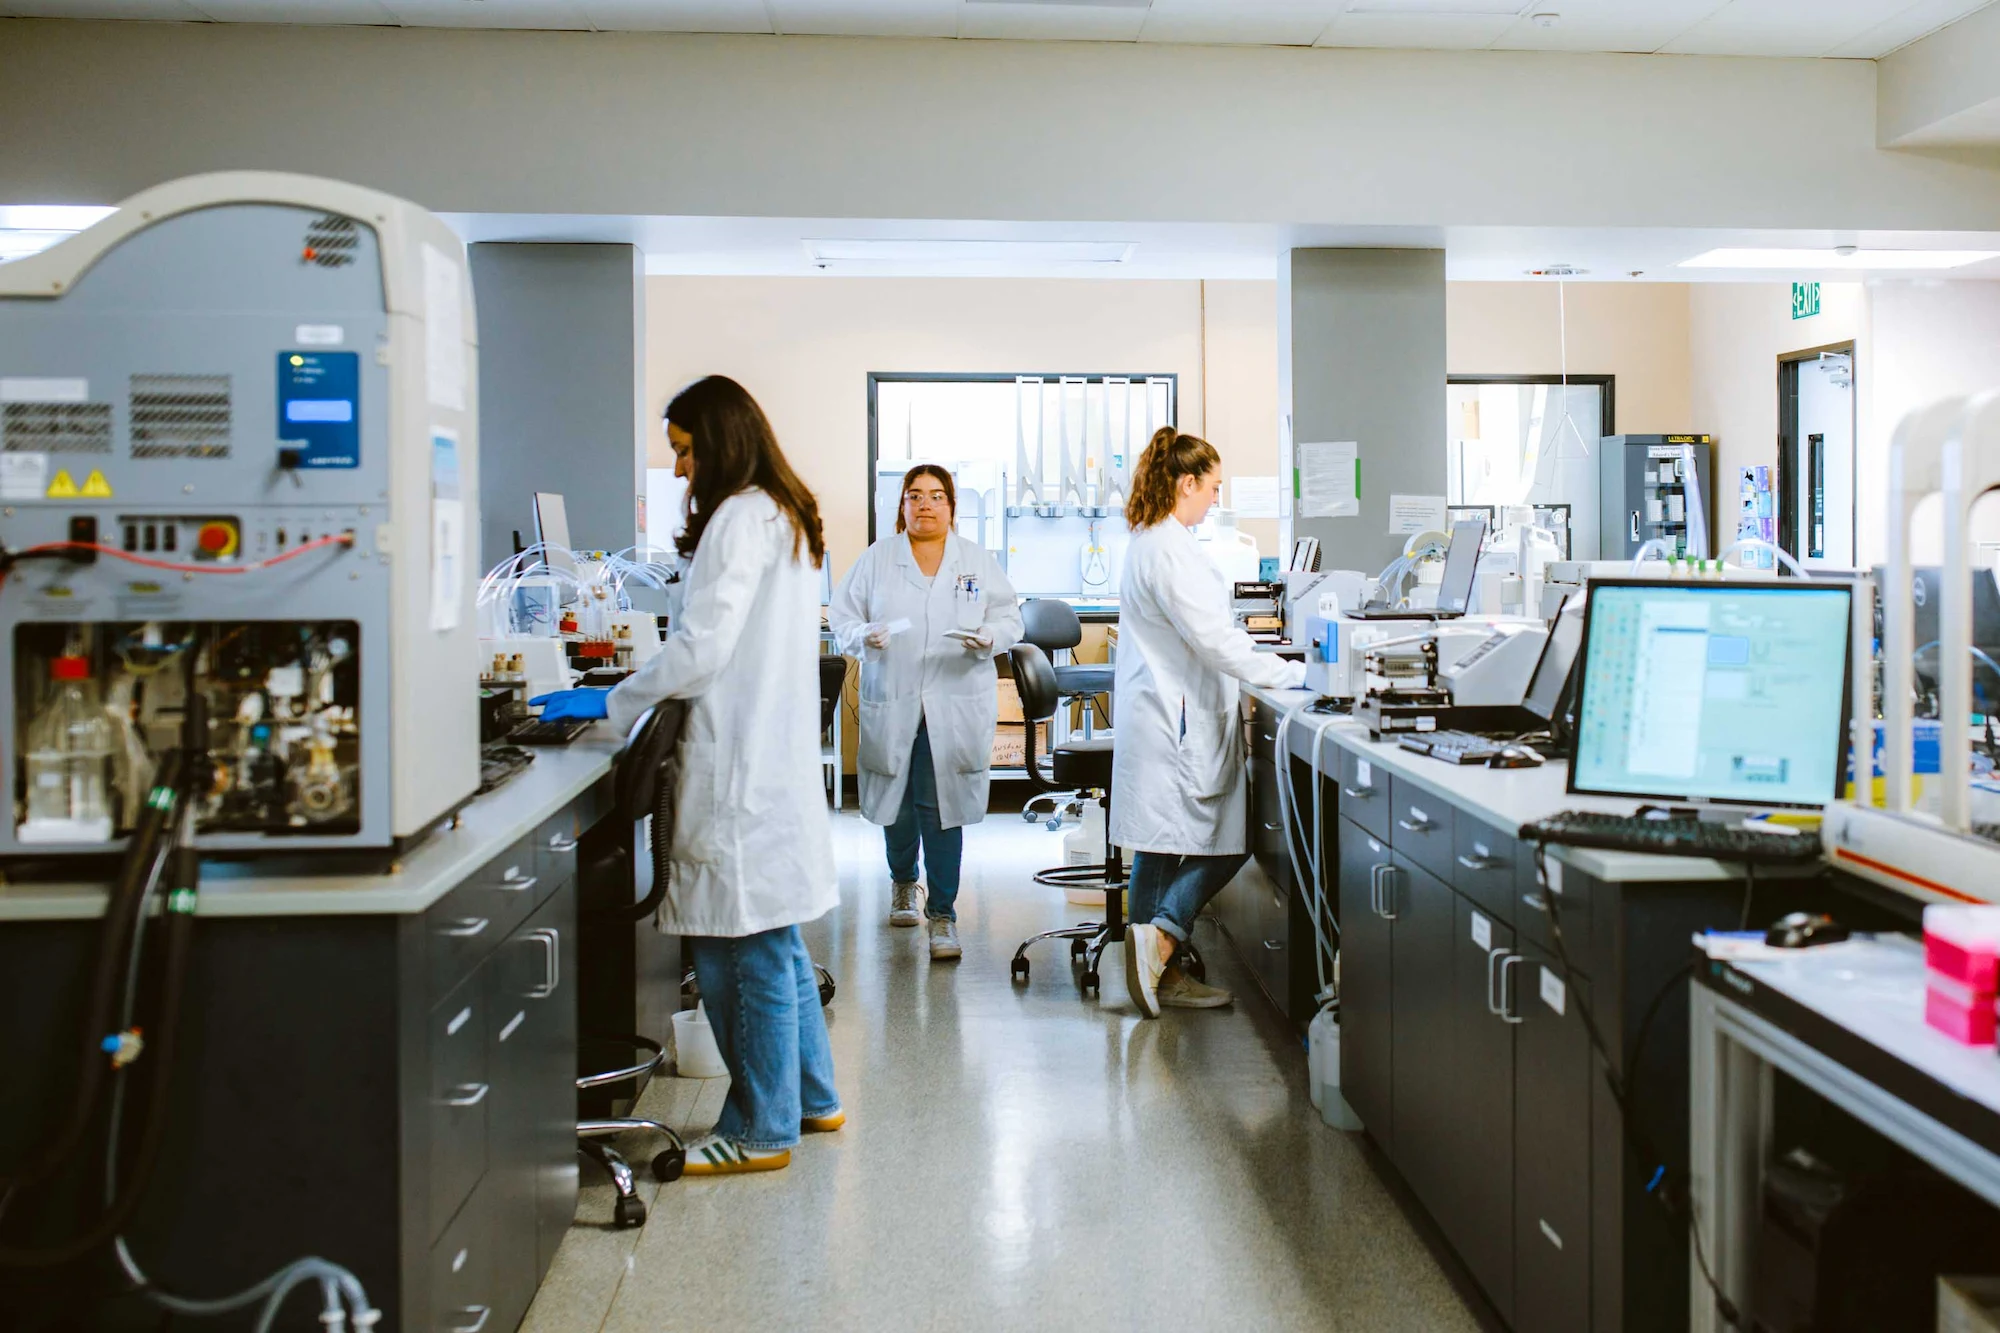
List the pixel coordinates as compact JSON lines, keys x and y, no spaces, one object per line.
{"x":1733,"y":692}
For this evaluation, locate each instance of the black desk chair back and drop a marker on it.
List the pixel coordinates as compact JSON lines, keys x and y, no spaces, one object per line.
{"x":1052,"y":626}
{"x":832,"y":684}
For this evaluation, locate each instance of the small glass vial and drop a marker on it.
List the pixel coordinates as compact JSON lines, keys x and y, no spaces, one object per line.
{"x":71,"y":747}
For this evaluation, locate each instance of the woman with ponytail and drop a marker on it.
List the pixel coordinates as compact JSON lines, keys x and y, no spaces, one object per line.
{"x":1178,"y":798}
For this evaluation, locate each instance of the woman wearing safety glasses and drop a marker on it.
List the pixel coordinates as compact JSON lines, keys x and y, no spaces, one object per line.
{"x":927,"y":612}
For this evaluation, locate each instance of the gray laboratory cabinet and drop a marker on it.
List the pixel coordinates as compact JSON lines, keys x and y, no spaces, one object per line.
{"x":1644,"y":492}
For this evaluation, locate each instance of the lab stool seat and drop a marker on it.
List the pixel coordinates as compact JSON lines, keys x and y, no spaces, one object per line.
{"x":1052,"y":626}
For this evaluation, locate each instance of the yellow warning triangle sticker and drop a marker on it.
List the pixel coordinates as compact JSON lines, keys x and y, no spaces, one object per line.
{"x":96,"y":487}
{"x":62,"y":488}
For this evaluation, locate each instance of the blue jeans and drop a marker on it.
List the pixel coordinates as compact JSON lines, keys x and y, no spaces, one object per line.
{"x":1169,"y":891}
{"x":763,"y":1004}
{"x":917,"y":821}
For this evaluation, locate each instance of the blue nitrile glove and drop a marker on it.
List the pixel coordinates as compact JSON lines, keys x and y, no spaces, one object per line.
{"x":572,"y":705}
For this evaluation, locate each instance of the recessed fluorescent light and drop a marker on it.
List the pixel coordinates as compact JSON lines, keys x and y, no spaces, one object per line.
{"x":1844,"y":257}
{"x":1448,"y":8}
{"x":887,"y":251}
{"x":1073,"y":4}
{"x":50,"y":217}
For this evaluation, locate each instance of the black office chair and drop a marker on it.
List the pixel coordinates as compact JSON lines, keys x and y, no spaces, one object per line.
{"x":1052,"y":626}
{"x":1077,"y":765}
{"x":609,"y":872}
{"x":832,"y":688}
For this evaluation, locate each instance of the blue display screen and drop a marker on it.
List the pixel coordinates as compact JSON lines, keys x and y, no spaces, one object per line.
{"x":319,"y":409}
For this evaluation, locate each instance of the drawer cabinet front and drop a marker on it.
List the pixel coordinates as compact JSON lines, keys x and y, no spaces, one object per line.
{"x":1366,"y":1001}
{"x":512,"y":886}
{"x":464,"y":1274}
{"x":1552,"y":1092}
{"x":1571,"y":898}
{"x":1364,"y":794}
{"x":459,"y":1098}
{"x":555,"y":844}
{"x":469,"y":923}
{"x":1267,"y":823}
{"x":1483,"y":867}
{"x":1422,"y":827}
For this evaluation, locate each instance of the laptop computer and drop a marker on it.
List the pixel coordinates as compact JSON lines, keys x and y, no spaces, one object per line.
{"x":1461,"y":562}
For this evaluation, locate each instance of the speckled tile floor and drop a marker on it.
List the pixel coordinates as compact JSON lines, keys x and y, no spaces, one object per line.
{"x":1016,"y":1158}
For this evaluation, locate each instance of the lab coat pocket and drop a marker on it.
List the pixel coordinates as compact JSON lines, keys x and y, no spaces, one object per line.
{"x":697,"y":803}
{"x":876,"y":751}
{"x":1207,"y":762}
{"x":965,"y":743}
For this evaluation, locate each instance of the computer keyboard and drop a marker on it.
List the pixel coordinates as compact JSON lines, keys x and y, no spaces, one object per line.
{"x":538,"y":732}
{"x":1675,"y":836}
{"x":1453,"y":747}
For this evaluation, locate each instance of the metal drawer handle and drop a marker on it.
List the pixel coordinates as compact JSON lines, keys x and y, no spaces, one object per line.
{"x":514,"y":883}
{"x":485,"y":1313}
{"x":1389,"y":874}
{"x":467,"y":928}
{"x":1480,"y":862}
{"x":1506,"y":963}
{"x":472,"y":1094}
{"x":1536,"y":901}
{"x":1421,"y":824}
{"x":551,"y":939}
{"x":1274,"y":945}
{"x":1492,"y":956}
{"x":514,"y":1025}
{"x":1375,"y":888}
{"x":1356,"y":793}
{"x":1269,"y":827}
{"x":561,"y":843}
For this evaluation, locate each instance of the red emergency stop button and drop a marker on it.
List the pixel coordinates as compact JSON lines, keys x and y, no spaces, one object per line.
{"x":216,"y":538}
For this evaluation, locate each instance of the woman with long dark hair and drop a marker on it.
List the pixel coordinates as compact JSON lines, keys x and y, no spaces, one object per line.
{"x":752,"y":849}
{"x":1177,"y":791}
{"x":927,"y":612}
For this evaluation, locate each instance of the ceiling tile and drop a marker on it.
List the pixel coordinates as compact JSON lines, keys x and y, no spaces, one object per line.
{"x":1780,"y":27}
{"x":178,"y":11}
{"x":1417,"y":32}
{"x":1917,"y":20}
{"x":868,"y":18}
{"x":1046,"y":22}
{"x":676,"y":15}
{"x":1606,"y":25}
{"x":292,"y":11}
{"x":489,"y":13}
{"x":1249,"y":22}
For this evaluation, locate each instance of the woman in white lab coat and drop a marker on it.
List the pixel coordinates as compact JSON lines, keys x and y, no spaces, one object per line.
{"x":927,"y":611}
{"x":752,"y":849}
{"x":1178,"y":798}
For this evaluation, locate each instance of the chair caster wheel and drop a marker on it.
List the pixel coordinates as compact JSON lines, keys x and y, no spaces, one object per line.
{"x":631,"y":1212}
{"x":1054,"y":825}
{"x":1078,"y":948}
{"x":826,"y":986}
{"x":1019,"y":969}
{"x":667,"y":1165}
{"x":1090,"y":986}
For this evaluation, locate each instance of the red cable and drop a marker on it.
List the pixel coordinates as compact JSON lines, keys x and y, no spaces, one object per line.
{"x":339,"y":539}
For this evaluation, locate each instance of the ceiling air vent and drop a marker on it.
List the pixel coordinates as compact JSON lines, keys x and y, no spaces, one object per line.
{"x":56,"y":428}
{"x":180,"y":416}
{"x":331,"y":241}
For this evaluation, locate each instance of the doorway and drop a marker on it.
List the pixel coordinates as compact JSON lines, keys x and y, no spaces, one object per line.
{"x":1529,"y":440}
{"x":1816,"y":456}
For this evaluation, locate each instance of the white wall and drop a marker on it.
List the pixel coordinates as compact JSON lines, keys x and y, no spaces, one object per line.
{"x":1932,"y":340}
{"x":733,"y":126}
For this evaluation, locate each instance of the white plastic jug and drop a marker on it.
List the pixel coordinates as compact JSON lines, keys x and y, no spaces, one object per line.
{"x":695,"y":1052}
{"x":1323,"y":1069}
{"x":1233,"y":550}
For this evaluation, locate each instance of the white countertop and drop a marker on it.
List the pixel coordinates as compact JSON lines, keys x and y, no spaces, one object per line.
{"x":1506,"y":798}
{"x":425,"y":872}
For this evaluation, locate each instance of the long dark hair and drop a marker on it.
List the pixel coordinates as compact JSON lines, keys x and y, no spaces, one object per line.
{"x":735,"y":449}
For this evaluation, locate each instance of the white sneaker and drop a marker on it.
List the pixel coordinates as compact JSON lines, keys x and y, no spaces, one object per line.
{"x":1143,"y":967}
{"x":944,"y":939}
{"x":903,"y":904}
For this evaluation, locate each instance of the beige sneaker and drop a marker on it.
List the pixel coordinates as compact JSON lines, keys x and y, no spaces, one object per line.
{"x":944,"y":939}
{"x":1177,"y":990}
{"x":1143,"y":968}
{"x":903,"y":904}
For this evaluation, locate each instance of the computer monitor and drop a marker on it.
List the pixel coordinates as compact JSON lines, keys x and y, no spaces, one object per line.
{"x":552,"y":531}
{"x":1461,"y":562}
{"x":1552,"y":669}
{"x":1733,"y":692}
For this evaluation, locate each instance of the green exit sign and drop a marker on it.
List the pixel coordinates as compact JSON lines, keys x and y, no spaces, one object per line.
{"x":1805,"y":299}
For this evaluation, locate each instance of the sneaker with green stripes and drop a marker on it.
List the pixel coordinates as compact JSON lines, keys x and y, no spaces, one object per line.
{"x":717,"y":1156}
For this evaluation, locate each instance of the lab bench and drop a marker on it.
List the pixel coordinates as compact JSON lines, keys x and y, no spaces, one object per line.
{"x":1463,"y":1047}
{"x":378,"y":1069}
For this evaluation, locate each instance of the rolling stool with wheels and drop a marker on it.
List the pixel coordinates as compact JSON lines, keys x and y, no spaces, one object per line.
{"x":614,"y":897}
{"x":1052,"y":626}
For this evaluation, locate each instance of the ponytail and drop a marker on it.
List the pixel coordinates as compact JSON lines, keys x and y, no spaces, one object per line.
{"x":1168,"y":457}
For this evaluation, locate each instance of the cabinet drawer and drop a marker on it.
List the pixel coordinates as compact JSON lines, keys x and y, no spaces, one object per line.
{"x":1270,"y":952}
{"x":1267,"y":823}
{"x":469,"y":922}
{"x":1364,"y":794}
{"x":463,"y":1273}
{"x":555,"y":850}
{"x":1422,"y":829}
{"x":1572,"y":900}
{"x":1482,"y":869}
{"x":513,"y":886}
{"x":458,"y":1099}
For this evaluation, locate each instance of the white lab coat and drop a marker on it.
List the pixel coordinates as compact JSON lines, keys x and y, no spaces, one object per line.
{"x":922,"y":675}
{"x":753,"y":848}
{"x":1177,"y":765}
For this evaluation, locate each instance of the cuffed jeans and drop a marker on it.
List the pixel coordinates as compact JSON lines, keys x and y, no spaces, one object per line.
{"x":1169,"y":891}
{"x":918,"y":822}
{"x":762,"y":998}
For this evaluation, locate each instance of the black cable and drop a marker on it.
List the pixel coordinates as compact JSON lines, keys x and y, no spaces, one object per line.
{"x":1635,"y":1139}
